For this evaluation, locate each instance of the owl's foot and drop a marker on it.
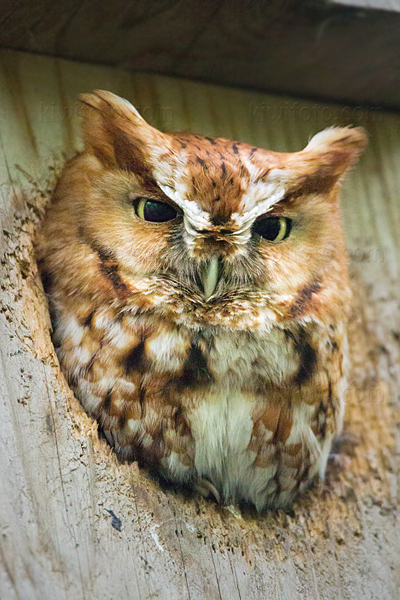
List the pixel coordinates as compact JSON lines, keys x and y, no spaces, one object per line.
{"x":234,"y":510}
{"x":343,"y":448}
{"x":206,"y":488}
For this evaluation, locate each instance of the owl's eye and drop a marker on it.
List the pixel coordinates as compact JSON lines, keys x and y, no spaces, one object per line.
{"x":154,"y":211}
{"x":273,"y":229}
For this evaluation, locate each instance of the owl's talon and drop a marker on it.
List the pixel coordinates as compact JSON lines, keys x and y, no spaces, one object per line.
{"x":337,"y":462}
{"x":345,"y":443}
{"x":234,"y":510}
{"x":205,"y":488}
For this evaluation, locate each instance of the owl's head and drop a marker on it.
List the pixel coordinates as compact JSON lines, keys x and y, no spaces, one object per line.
{"x":207,"y":229}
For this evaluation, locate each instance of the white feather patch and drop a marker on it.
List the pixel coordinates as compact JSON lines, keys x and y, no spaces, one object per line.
{"x":222,"y":427}
{"x":260,"y":198}
{"x":167,"y":351}
{"x":69,"y":327}
{"x":176,"y":469}
{"x":195,"y":217}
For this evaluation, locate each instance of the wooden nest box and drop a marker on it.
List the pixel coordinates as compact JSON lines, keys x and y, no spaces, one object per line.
{"x":74,"y":522}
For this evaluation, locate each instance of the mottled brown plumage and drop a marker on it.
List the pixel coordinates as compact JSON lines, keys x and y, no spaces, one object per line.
{"x":205,"y":346}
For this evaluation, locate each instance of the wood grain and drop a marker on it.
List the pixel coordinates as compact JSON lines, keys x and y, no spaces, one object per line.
{"x":59,"y":480}
{"x":391,"y":5}
{"x":346,"y":51}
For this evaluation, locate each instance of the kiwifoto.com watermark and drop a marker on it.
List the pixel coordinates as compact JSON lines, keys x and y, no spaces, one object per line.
{"x":264,"y":112}
{"x":371,"y":254}
{"x":366,"y":255}
{"x":60,"y":113}
{"x":377,"y":393}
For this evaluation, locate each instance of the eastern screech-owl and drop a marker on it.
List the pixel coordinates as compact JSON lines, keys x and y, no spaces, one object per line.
{"x":199,"y":295}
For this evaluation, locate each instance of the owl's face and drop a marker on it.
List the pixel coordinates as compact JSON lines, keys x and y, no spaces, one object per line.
{"x":209,"y":229}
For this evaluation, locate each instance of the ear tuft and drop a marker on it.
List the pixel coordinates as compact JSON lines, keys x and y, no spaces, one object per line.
{"x":346,"y":142}
{"x":325,"y":159}
{"x":114,"y":131}
{"x":104,"y":102}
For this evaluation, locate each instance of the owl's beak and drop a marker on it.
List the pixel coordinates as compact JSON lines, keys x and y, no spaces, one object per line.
{"x":210,"y":276}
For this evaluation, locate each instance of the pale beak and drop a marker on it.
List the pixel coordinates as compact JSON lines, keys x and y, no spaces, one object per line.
{"x":210,"y":277}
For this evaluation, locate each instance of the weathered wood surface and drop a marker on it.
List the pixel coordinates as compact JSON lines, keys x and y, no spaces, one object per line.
{"x":58,"y":480}
{"x":391,"y":5}
{"x":345,"y":50}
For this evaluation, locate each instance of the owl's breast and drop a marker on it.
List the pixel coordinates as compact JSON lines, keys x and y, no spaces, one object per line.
{"x":211,"y":357}
{"x":249,"y":360}
{"x":196,"y":403}
{"x":246,"y":432}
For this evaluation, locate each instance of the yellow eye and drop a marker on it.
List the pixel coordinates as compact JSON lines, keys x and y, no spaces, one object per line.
{"x":140,"y":208}
{"x":154,"y":211}
{"x":273,"y":229}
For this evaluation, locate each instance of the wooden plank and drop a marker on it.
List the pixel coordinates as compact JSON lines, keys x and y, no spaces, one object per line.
{"x":59,"y":481}
{"x":390,"y":5}
{"x":342,"y":50}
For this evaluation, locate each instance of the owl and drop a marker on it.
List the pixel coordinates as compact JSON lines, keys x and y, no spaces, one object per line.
{"x":199,"y":295}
